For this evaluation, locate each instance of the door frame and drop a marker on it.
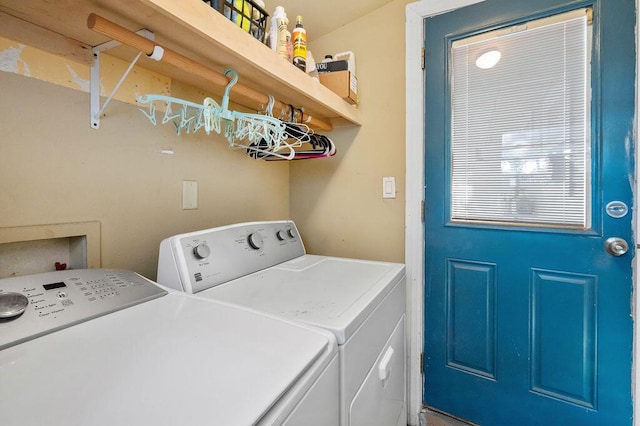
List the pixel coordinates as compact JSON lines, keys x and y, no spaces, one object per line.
{"x":414,"y":229}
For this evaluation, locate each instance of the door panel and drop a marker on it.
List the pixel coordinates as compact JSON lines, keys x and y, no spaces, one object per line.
{"x":563,"y":314}
{"x":471,"y":317}
{"x":531,"y":325}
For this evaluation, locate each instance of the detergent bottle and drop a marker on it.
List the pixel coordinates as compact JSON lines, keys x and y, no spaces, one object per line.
{"x":278,"y":32}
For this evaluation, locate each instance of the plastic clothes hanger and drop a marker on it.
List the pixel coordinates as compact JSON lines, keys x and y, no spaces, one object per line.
{"x":321,"y":147}
{"x":298,"y":135}
{"x":293,"y":137}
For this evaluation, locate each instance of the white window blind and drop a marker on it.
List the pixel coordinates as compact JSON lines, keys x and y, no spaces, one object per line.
{"x":520,"y":145}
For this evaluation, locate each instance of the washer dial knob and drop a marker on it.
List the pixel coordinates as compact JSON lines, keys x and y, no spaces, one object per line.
{"x":12,"y":304}
{"x":280,"y":235}
{"x":292,"y":233}
{"x":201,"y":251}
{"x":255,"y":241}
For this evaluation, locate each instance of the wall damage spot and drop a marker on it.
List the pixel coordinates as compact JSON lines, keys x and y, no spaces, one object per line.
{"x":84,"y":84}
{"x":10,"y":61}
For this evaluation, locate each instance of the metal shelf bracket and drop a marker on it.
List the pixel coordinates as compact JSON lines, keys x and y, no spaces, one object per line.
{"x":94,"y":87}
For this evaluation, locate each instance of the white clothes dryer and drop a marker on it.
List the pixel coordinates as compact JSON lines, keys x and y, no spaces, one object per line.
{"x":264,"y":266}
{"x":106,"y":347}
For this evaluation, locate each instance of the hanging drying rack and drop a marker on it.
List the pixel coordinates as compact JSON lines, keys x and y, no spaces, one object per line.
{"x":247,"y":96}
{"x":268,"y":138}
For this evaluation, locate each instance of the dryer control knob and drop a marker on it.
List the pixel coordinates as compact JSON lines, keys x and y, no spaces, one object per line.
{"x":201,"y":251}
{"x":280,"y":235}
{"x":292,"y":232}
{"x":255,"y":241}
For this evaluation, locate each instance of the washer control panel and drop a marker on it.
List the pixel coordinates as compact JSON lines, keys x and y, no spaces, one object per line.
{"x":199,"y":260}
{"x":34,"y":305}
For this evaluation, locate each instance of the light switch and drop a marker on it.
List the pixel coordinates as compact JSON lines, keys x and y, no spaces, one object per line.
{"x":189,"y":194}
{"x":389,"y":187}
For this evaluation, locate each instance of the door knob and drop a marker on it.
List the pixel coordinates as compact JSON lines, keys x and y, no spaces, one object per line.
{"x":616,"y":246}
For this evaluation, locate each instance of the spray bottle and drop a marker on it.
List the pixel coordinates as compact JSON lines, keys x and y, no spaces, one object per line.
{"x":299,"y":37}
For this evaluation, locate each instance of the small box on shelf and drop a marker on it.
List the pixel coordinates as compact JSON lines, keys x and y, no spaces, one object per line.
{"x":332,"y":66}
{"x":342,"y":83}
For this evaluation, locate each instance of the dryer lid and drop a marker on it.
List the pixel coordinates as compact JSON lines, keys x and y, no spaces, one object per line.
{"x":333,"y":293}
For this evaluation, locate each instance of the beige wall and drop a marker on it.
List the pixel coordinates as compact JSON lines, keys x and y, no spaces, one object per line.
{"x":337,"y":203}
{"x":55,"y":169}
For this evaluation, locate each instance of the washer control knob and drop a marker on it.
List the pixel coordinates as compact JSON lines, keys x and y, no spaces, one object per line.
{"x":201,"y":251}
{"x":280,"y":235}
{"x":292,"y":233}
{"x":255,"y":241}
{"x":12,"y":304}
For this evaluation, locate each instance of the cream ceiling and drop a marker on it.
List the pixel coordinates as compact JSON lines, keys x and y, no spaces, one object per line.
{"x":323,"y":16}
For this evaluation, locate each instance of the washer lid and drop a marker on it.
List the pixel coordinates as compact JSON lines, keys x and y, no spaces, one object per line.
{"x":169,"y":361}
{"x":333,"y":293}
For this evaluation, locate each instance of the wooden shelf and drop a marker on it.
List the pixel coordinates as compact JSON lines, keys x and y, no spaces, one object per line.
{"x":189,"y":27}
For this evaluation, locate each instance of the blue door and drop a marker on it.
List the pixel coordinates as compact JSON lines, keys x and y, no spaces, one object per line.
{"x":529,"y":173}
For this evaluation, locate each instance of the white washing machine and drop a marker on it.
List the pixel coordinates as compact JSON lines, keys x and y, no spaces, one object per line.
{"x":263,"y":265}
{"x":106,"y":347}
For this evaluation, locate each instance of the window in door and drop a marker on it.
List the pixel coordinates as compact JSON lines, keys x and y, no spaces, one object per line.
{"x":520,"y":125}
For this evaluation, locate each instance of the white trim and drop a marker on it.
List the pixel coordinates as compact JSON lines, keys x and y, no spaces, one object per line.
{"x":414,"y":233}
